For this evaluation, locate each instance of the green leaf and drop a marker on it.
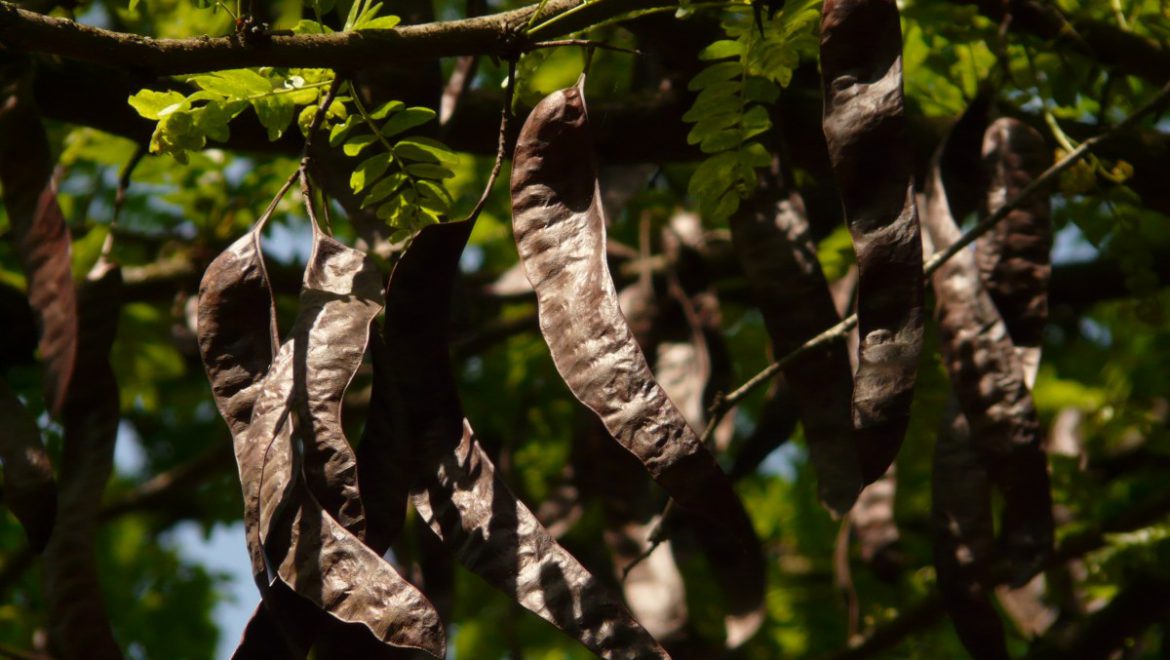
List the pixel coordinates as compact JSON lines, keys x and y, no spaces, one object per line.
{"x":721,"y":49}
{"x":715,"y":73}
{"x":755,"y":121}
{"x":429,"y":171}
{"x":425,"y":150}
{"x":721,"y":141}
{"x":356,"y":145}
{"x":406,"y":120}
{"x":380,"y":23}
{"x":368,"y":171}
{"x":760,"y":90}
{"x":275,"y":113}
{"x":383,"y":189}
{"x":156,"y":105}
{"x":235,"y":83}
{"x":386,"y":108}
{"x":339,"y":131}
{"x":434,"y":196}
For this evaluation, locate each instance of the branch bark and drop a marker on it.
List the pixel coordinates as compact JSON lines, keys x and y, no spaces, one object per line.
{"x":495,"y":35}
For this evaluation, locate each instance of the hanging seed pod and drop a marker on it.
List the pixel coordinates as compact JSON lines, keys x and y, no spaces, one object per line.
{"x":964,"y":537}
{"x":347,"y":580}
{"x":772,"y":239}
{"x":418,"y":445}
{"x":988,"y":381}
{"x":865,"y":128}
{"x":40,"y":236}
{"x":1014,"y":257}
{"x":236,"y":336}
{"x":80,"y":626}
{"x":559,"y":228}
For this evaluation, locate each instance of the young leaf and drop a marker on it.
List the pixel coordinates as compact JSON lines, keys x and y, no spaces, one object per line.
{"x":156,"y":105}
{"x":368,"y":171}
{"x":864,"y":125}
{"x":358,"y":144}
{"x":559,"y":226}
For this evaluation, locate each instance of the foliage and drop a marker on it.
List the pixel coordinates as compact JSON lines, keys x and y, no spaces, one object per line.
{"x":1106,"y":348}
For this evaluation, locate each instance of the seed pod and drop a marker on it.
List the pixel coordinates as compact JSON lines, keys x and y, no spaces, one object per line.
{"x":964,"y":537}
{"x":1014,"y":256}
{"x":988,"y":381}
{"x":40,"y":236}
{"x":347,"y":580}
{"x":29,"y":489}
{"x":876,"y":530}
{"x":418,"y":444}
{"x":559,"y":228}
{"x":772,"y":239}
{"x":236,"y":336}
{"x":80,"y":627}
{"x":865,"y":128}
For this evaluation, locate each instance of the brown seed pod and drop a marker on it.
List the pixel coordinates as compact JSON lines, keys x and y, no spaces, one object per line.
{"x":964,"y":537}
{"x":40,"y":236}
{"x":865,"y":128}
{"x":559,"y":227}
{"x":236,"y":336}
{"x":80,"y":627}
{"x":1014,"y":257}
{"x":417,"y":444}
{"x":29,"y":489}
{"x":772,"y":239}
{"x":347,"y":579}
{"x":989,"y":383}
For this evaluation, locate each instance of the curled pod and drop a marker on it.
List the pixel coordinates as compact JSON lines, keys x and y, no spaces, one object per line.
{"x":40,"y":236}
{"x":865,"y":129}
{"x":772,"y":240}
{"x":418,"y":446}
{"x":1014,"y":257}
{"x":258,"y":399}
{"x":80,"y":625}
{"x":989,"y":383}
{"x":559,"y":227}
{"x":964,"y":538}
{"x":346,"y":578}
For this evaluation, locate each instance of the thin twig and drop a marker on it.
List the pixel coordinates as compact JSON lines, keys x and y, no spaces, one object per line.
{"x":588,"y":43}
{"x":502,"y":145}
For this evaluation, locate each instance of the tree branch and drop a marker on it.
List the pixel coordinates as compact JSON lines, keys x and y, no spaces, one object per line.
{"x":497,"y":35}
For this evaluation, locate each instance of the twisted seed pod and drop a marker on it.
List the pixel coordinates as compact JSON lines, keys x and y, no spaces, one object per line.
{"x":1014,"y":257}
{"x":989,"y":383}
{"x":40,"y":236}
{"x":236,"y":337}
{"x":417,"y":445}
{"x":964,"y":537}
{"x":771,"y":237}
{"x":559,"y":226}
{"x":865,"y":129}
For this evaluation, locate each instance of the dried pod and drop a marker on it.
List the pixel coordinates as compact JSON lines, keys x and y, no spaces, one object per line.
{"x":560,"y":232}
{"x":1014,"y":257}
{"x":80,"y":627}
{"x":347,"y":579}
{"x":865,"y":128}
{"x":236,"y":333}
{"x":989,"y":383}
{"x":417,"y":444}
{"x":772,"y":239}
{"x":40,"y":236}
{"x":876,"y":530}
{"x":29,"y":489}
{"x":964,"y":537}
